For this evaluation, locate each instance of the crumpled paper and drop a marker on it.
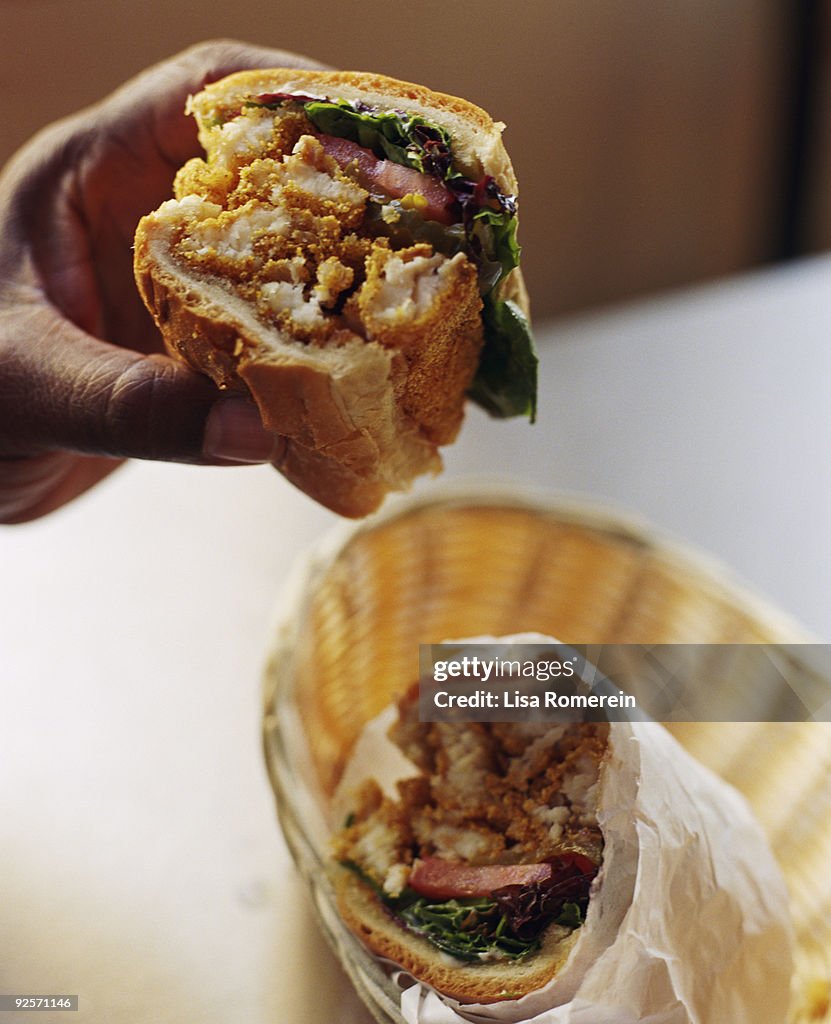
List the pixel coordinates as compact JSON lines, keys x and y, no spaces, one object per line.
{"x":688,"y":921}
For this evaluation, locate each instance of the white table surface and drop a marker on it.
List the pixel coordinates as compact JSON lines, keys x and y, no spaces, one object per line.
{"x":141,"y":865}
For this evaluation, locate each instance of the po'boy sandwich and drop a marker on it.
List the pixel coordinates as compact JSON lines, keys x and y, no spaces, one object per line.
{"x":346,"y":253}
{"x":557,"y":873}
{"x":476,"y":875}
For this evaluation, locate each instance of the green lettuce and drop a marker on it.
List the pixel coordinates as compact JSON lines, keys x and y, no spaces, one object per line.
{"x":389,"y":134}
{"x":472,"y":928}
{"x":506,"y":382}
{"x":465,"y":928}
{"x":571,"y":916}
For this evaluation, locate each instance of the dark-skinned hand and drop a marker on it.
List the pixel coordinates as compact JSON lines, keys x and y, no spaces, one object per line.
{"x":83,"y":381}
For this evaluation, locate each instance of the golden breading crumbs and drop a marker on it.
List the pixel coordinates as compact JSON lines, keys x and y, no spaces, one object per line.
{"x":432,"y":318}
{"x":333,"y":277}
{"x":222,"y":178}
{"x":381,"y":822}
{"x":490,"y":793}
{"x":283,"y":199}
{"x":196,"y":177}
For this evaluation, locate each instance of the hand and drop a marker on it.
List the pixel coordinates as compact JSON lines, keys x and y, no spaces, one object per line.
{"x":82,"y":382}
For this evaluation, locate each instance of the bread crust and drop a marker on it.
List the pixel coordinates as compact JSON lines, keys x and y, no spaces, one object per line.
{"x":477,"y":138}
{"x":485,"y":982}
{"x":329,"y":450}
{"x":357,"y":418}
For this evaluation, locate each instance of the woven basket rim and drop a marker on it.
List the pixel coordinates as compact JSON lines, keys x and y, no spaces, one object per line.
{"x":571,"y":507}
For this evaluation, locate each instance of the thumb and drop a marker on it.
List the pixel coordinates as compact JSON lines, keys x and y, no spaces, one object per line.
{"x":60,"y":388}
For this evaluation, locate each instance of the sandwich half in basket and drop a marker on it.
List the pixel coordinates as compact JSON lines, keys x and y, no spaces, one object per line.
{"x":476,"y":875}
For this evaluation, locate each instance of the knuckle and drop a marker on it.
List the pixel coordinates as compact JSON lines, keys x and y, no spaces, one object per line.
{"x":211,"y":57}
{"x":131,"y":406}
{"x":150,"y":412}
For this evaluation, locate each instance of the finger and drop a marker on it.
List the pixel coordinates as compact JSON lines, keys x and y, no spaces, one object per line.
{"x":74,"y":214}
{"x":164,"y":88}
{"x":149,"y":106}
{"x":63,"y":389}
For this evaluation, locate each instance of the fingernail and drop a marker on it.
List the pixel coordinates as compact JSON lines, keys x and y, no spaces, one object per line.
{"x":234,"y":432}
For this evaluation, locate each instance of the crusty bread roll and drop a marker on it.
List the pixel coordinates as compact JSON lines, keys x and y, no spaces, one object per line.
{"x":281,"y":269}
{"x":495,"y":820}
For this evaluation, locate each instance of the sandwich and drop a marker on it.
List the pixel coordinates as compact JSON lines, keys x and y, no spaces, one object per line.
{"x":346,"y":254}
{"x":476,"y":875}
{"x":556,"y":873}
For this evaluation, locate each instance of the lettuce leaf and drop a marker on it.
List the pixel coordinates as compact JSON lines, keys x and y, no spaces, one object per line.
{"x":391,"y":135}
{"x":496,"y":231}
{"x":571,"y":916}
{"x":506,"y":381}
{"x":466,"y":929}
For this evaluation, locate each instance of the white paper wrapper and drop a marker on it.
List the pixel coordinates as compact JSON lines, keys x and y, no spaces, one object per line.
{"x":688,"y":921}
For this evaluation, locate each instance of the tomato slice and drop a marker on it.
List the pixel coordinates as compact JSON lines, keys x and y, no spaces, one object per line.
{"x":585,"y":865}
{"x":345,"y":152}
{"x":394,"y":179}
{"x":447,"y":879}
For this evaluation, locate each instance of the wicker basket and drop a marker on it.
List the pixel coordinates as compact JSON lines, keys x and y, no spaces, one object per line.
{"x":489,"y":562}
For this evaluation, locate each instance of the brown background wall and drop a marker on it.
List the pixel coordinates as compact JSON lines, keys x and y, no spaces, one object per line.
{"x":647,"y":136}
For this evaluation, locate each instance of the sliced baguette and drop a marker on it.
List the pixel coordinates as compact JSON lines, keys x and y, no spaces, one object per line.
{"x":357,"y":417}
